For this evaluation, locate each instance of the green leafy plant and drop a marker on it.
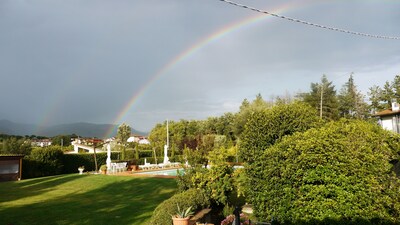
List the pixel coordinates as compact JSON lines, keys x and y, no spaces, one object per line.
{"x":183,"y":213}
{"x":103,"y":167}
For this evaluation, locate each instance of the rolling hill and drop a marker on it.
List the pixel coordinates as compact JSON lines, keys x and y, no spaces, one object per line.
{"x":81,"y":129}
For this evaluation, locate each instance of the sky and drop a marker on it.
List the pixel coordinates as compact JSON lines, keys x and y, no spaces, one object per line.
{"x":142,"y":62}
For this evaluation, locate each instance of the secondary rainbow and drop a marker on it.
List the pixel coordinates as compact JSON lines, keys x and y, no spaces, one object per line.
{"x":192,"y":50}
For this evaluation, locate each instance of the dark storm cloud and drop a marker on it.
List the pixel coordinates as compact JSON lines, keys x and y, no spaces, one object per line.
{"x":69,"y":61}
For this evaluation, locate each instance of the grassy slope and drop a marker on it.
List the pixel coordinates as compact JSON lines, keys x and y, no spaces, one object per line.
{"x":82,"y":199}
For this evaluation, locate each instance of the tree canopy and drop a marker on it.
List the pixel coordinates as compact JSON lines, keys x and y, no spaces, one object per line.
{"x":124,"y":132}
{"x":323,"y":97}
{"x":351,"y":101}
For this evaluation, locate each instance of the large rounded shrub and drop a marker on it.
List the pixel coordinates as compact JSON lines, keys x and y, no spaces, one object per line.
{"x":195,"y":198}
{"x":338,"y":174}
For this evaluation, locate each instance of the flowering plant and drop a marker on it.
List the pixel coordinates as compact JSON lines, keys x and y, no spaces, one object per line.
{"x":229,"y":220}
{"x":81,"y":167}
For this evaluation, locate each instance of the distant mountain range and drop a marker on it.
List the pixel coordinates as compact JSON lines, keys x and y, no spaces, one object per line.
{"x":81,"y":129}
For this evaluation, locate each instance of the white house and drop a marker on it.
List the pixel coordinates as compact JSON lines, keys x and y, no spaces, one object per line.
{"x":139,"y":139}
{"x":41,"y":142}
{"x":144,"y":141}
{"x":389,"y":119}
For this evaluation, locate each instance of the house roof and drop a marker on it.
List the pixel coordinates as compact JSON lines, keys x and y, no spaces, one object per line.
{"x":11,"y":157}
{"x":11,"y":154}
{"x":387,"y":112}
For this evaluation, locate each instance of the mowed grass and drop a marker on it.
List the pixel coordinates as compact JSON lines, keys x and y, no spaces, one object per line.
{"x":82,"y":199}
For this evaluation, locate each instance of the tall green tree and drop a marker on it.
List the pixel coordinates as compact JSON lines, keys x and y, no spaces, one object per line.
{"x":382,"y":98}
{"x":61,"y":140}
{"x":375,"y":99}
{"x":323,"y":98}
{"x":351,"y":101}
{"x":124,"y":132}
{"x":396,"y":87}
{"x":387,"y":95}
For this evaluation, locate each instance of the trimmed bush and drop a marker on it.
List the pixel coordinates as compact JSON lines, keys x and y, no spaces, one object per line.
{"x":45,"y":161}
{"x":73,"y":161}
{"x":338,"y":174}
{"x":51,"y":161}
{"x":196,"y":198}
{"x":30,"y":168}
{"x":145,"y":153}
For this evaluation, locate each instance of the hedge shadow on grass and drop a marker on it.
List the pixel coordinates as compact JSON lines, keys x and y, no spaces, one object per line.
{"x":14,"y":190}
{"x":125,"y":201}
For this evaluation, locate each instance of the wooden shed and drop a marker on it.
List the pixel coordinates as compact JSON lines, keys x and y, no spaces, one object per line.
{"x":10,"y":167}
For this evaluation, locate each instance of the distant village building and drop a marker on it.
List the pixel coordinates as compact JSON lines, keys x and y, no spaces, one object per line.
{"x":138,"y":139}
{"x":389,"y":119}
{"x":41,"y":142}
{"x":87,"y":145}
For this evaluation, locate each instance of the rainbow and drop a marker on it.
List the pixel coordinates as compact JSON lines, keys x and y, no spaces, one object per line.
{"x":215,"y":36}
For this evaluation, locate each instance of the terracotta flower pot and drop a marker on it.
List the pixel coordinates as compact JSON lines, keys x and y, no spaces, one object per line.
{"x":180,"y":221}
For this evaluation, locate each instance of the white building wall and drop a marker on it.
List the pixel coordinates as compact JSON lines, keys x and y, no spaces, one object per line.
{"x":387,"y":123}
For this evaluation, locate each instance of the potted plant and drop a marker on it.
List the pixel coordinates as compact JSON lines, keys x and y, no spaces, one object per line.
{"x":182,"y":217}
{"x":81,"y":169}
{"x":103,"y":169}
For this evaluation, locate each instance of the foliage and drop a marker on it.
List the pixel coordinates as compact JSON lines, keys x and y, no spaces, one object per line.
{"x":351,"y":101}
{"x":123,"y":133}
{"x":382,"y":98}
{"x":324,"y":93}
{"x":219,"y":155}
{"x":340,"y":173}
{"x":183,"y":134}
{"x":374,"y":94}
{"x":103,"y":167}
{"x":49,"y":160}
{"x":62,"y":140}
{"x":195,"y":198}
{"x":14,"y":145}
{"x":267,"y":126}
{"x":217,"y":182}
{"x":239,"y":181}
{"x":246,"y":109}
{"x":72,"y":161}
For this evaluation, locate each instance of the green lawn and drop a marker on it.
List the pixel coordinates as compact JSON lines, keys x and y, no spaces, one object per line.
{"x":82,"y":199}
